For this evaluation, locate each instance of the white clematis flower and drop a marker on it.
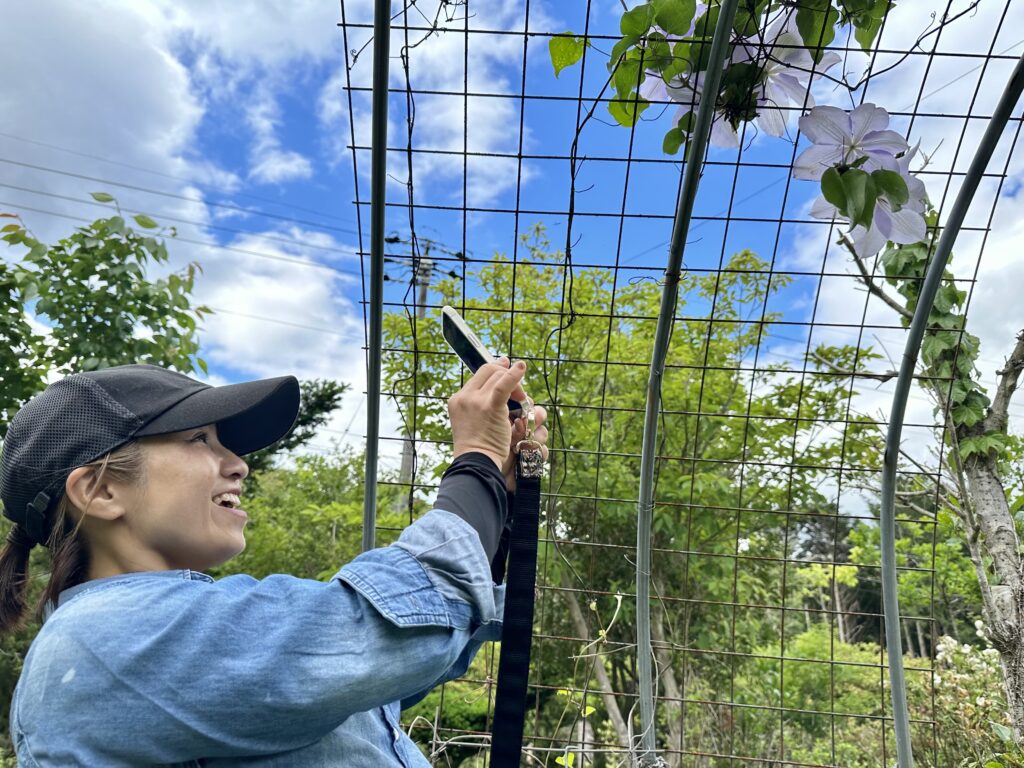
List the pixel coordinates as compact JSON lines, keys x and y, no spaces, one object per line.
{"x":905,"y":226}
{"x":841,"y":138}
{"x":787,"y":76}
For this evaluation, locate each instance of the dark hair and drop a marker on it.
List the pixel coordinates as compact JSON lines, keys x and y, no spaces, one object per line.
{"x":69,"y":552}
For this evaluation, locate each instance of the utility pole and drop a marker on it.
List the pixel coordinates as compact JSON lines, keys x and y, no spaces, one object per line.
{"x":421,"y":280}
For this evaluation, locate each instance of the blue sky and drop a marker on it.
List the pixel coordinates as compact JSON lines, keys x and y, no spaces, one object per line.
{"x":224,"y":106}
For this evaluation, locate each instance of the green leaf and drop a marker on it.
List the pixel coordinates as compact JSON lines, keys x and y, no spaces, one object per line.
{"x":679,"y":64}
{"x":102,"y":197}
{"x":568,"y":759}
{"x":145,"y":222}
{"x":566,"y":50}
{"x":1004,"y":733}
{"x":628,"y":75}
{"x":657,"y":53}
{"x":674,"y":139}
{"x":588,"y":711}
{"x":893,"y":186}
{"x":674,"y":16}
{"x":861,"y":196}
{"x":832,"y":188}
{"x":10,"y":228}
{"x":705,"y":25}
{"x":627,"y":111}
{"x":866,"y":25}
{"x":637,"y":20}
{"x":748,"y":17}
{"x":816,"y":20}
{"x":620,"y":48}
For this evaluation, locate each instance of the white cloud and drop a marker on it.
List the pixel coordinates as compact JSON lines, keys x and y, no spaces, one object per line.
{"x":269,"y":163}
{"x":110,"y":82}
{"x":447,"y":124}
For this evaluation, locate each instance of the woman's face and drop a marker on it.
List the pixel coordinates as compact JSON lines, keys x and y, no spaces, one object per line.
{"x":181,"y":517}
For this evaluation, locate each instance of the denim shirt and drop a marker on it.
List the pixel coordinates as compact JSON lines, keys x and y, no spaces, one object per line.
{"x":174,"y":668}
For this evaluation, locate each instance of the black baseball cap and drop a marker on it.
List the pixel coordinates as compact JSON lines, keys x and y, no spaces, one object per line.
{"x":83,"y":416}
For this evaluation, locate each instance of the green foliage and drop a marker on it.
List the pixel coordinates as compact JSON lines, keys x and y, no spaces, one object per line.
{"x":657,"y":41}
{"x":627,"y":111}
{"x":816,"y":22}
{"x":566,"y":50}
{"x":307,"y":521}
{"x":713,"y":414}
{"x":319,"y":399}
{"x":970,"y":707}
{"x":948,"y":352}
{"x":91,"y":291}
{"x":855,"y":192}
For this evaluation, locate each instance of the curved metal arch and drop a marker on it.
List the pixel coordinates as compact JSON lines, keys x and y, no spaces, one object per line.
{"x":887,"y":519}
{"x":669,"y":296}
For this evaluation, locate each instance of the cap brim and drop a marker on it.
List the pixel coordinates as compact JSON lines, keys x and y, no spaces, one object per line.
{"x":249,"y":416}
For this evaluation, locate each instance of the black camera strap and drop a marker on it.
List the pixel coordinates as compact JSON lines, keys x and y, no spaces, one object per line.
{"x":517,"y":628}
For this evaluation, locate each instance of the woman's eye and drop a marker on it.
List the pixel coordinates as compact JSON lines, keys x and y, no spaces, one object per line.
{"x":201,"y":437}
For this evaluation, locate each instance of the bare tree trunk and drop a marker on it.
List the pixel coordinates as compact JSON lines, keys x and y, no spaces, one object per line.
{"x":672,"y":703}
{"x":908,"y":644}
{"x":840,"y":618}
{"x":922,"y":645}
{"x":600,"y":673}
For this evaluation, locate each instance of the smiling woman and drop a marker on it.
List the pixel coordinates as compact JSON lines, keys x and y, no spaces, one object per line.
{"x":132,"y":477}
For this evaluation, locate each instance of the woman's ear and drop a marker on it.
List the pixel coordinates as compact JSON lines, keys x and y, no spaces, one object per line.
{"x":101,"y":500}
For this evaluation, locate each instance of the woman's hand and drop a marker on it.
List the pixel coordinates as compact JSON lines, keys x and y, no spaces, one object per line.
{"x":540,"y":434}
{"x":479,"y":411}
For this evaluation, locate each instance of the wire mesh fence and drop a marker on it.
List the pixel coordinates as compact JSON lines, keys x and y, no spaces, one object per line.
{"x":516,"y":196}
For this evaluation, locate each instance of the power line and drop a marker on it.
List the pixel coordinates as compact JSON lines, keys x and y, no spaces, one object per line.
{"x":184,"y":179}
{"x":201,"y":201}
{"x":278,"y":321}
{"x":203,"y":224}
{"x":206,"y":243}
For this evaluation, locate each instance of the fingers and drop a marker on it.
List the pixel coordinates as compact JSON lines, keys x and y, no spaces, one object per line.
{"x":540,"y":414}
{"x":506,"y":383}
{"x":485,"y":373}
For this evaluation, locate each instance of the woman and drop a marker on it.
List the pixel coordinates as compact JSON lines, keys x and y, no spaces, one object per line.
{"x":132,"y":477}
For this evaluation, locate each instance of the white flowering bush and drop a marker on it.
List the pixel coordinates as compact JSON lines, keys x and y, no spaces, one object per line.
{"x":972,"y":725}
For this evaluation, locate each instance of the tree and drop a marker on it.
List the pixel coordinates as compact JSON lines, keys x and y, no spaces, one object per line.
{"x":980,"y":457}
{"x":93,"y":306}
{"x":743,"y":455}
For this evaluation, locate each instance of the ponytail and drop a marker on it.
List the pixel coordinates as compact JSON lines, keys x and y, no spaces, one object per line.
{"x":14,"y":579}
{"x":69,"y":551}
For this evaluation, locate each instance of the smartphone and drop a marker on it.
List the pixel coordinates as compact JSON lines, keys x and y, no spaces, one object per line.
{"x":469,"y":348}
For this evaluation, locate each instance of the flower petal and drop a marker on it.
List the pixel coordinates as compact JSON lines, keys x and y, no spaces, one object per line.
{"x":815,"y":160}
{"x":828,"y":60}
{"x":826,"y":125}
{"x":881,"y":220}
{"x":907,"y":226}
{"x":883,"y":141}
{"x":791,"y":86}
{"x":722,"y":134}
{"x":653,"y":88}
{"x":866,"y":118}
{"x":771,"y":120}
{"x":867,"y":242}
{"x":823,"y":209}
